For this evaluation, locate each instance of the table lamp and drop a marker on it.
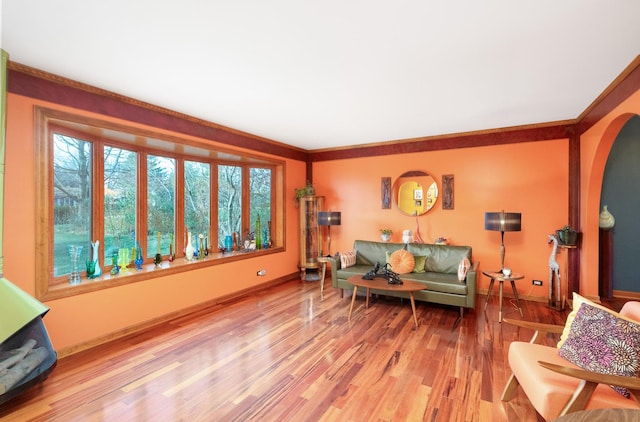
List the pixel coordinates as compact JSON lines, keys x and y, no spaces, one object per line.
{"x":502,"y":222}
{"x":329,"y":218}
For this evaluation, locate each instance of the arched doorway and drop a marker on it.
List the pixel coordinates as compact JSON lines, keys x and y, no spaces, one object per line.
{"x":621,"y":193}
{"x":595,"y":162}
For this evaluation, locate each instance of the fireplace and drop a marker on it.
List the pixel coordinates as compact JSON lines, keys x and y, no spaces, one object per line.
{"x":26,"y":354}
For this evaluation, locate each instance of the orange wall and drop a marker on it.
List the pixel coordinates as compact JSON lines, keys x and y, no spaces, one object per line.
{"x":76,"y":320}
{"x":531,"y":178}
{"x":595,"y":145}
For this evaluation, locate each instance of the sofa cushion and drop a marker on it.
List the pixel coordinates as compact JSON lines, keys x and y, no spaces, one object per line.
{"x":401,"y":261}
{"x":549,"y":391}
{"x":369,"y":252}
{"x":446,"y":259}
{"x":347,"y":259}
{"x":419,"y":263}
{"x":602,"y":341}
{"x":438,"y":282}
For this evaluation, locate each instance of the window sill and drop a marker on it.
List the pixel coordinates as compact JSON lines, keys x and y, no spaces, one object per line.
{"x":148,"y":271}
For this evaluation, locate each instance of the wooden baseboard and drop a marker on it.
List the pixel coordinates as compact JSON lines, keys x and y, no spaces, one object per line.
{"x":67,"y":351}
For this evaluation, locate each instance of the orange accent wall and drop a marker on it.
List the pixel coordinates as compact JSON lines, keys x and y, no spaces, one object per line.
{"x":531,"y":178}
{"x":595,"y":145}
{"x":80,"y":319}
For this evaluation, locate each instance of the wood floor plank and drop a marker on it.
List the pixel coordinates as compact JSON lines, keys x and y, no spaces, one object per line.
{"x":285,"y":353}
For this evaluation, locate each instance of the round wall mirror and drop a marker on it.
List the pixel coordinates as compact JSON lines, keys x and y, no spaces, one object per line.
{"x":415,"y":192}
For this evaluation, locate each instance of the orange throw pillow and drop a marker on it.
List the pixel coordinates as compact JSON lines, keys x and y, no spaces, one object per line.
{"x":402,"y":261}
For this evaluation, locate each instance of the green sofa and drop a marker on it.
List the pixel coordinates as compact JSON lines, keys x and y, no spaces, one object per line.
{"x":440,"y":278}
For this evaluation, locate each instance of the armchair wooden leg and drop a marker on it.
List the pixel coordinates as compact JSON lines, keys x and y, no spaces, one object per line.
{"x":580,"y":397}
{"x":510,"y":389}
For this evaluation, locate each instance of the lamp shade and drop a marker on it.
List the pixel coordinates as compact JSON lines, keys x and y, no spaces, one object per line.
{"x":503,"y":221}
{"x":329,"y":218}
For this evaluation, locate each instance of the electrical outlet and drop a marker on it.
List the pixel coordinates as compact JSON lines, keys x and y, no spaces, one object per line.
{"x":537,"y":282}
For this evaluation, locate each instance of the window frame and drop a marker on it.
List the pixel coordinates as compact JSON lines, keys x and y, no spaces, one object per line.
{"x":144,"y":142}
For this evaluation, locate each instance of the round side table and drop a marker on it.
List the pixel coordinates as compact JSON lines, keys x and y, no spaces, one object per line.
{"x":496,"y":275}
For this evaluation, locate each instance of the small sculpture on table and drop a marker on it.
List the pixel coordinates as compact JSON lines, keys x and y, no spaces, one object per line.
{"x":388,"y":274}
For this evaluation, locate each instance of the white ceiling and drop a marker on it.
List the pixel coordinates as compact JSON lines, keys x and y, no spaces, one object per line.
{"x":319,"y":74}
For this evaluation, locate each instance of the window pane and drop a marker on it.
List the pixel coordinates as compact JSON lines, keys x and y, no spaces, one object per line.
{"x":229,"y":202}
{"x":197,"y":198}
{"x":161,"y":194}
{"x":72,"y":178}
{"x":260,"y":198}
{"x":120,"y":169}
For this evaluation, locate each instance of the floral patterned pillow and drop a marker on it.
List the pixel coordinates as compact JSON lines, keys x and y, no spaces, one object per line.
{"x":604,"y":342}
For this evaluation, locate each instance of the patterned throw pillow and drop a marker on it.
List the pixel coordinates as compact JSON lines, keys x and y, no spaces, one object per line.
{"x":402,"y":261}
{"x":347,"y":259}
{"x":603,"y":341}
{"x":577,"y":301}
{"x":463,"y":269}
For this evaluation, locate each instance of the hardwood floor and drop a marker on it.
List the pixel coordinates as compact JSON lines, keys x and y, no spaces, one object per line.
{"x":285,"y":353}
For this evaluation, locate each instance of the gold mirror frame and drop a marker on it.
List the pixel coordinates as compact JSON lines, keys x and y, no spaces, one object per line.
{"x":415,"y":192}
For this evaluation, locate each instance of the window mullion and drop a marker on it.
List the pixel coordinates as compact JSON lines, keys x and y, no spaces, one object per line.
{"x":213,"y":204}
{"x":179,"y":212}
{"x":97,"y":222}
{"x":141,"y":215}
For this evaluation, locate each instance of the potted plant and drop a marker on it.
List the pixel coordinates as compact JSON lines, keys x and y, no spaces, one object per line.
{"x":304,"y":191}
{"x":567,"y":235}
{"x":385,"y":234}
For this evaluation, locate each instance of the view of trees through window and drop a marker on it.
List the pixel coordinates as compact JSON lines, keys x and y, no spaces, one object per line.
{"x":120,"y":201}
{"x":72,"y":208}
{"x":197,"y":199}
{"x":243,"y":194}
{"x":161,"y":203}
{"x":260,"y":194}
{"x":229,"y":201}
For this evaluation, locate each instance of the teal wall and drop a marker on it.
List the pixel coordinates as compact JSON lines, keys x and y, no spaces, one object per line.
{"x":621,"y":193}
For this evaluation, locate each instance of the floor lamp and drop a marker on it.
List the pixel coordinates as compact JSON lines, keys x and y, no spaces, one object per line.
{"x":502,"y":222}
{"x":329,"y":218}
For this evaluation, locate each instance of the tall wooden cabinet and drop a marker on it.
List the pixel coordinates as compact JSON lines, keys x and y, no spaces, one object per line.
{"x":310,"y":234}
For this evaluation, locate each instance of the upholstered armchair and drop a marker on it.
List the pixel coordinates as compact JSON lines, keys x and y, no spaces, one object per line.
{"x":555,"y":386}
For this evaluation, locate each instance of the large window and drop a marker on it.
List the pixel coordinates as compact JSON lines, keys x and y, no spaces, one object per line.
{"x":119,"y":189}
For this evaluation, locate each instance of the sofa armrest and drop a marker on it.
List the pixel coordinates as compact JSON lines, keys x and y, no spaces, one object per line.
{"x":590,"y":381}
{"x":472,"y":279}
{"x":334,"y":271}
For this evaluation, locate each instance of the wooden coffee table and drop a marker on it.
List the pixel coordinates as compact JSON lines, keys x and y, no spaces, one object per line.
{"x":382,"y":284}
